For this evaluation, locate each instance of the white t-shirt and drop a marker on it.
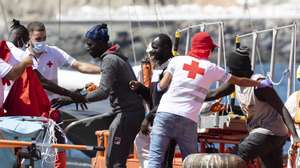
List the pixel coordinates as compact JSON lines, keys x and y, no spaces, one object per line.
{"x":49,"y":62}
{"x":191,"y":79}
{"x":291,"y":104}
{"x":4,"y":69}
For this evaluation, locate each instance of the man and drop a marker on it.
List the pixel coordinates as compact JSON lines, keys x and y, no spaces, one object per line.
{"x":267,"y":117}
{"x":188,"y":79}
{"x":160,"y":53}
{"x":50,"y":58}
{"x":127,"y":107}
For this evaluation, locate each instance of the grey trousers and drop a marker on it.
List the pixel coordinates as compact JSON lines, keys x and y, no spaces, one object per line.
{"x":267,"y":147}
{"x":123,"y":128}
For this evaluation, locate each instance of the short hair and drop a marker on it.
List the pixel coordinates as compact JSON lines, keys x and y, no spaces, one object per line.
{"x":36,"y":26}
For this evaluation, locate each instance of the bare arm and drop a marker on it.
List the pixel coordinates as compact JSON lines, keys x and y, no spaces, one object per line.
{"x":243,"y":82}
{"x":53,"y":87}
{"x":18,"y":69}
{"x":222,"y":91}
{"x":86,"y":67}
{"x":165,"y":81}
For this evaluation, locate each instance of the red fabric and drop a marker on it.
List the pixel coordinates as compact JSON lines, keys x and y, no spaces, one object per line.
{"x":53,"y":114}
{"x":61,"y":160}
{"x":27,"y":96}
{"x":202,"y":44}
{"x":113,"y":49}
{"x":1,"y":111}
{"x":4,"y":51}
{"x":4,"y":54}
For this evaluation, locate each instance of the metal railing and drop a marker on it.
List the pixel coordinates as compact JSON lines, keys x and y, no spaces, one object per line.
{"x":292,"y":57}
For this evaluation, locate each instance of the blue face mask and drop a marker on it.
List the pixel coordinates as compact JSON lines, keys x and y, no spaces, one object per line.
{"x":39,"y":47}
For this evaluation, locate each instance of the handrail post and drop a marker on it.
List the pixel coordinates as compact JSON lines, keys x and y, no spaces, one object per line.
{"x":272,"y":61}
{"x":291,"y":61}
{"x":187,"y":44}
{"x":253,"y":56}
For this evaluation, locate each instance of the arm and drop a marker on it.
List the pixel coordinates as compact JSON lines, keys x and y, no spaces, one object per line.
{"x":269,"y":96}
{"x":108,"y":77}
{"x":51,"y":86}
{"x":85,"y":67}
{"x":243,"y":82}
{"x":222,"y":91}
{"x":165,"y":81}
{"x":141,"y":90}
{"x":18,"y":69}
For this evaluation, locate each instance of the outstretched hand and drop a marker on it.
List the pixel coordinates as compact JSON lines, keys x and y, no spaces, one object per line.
{"x":79,"y":99}
{"x":60,"y":102}
{"x":265,"y":83}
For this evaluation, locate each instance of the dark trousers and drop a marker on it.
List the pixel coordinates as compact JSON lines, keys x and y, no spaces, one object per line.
{"x":170,"y":154}
{"x":123,"y":128}
{"x":267,"y":147}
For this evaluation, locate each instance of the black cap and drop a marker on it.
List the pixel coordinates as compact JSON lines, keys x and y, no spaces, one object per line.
{"x":239,"y":59}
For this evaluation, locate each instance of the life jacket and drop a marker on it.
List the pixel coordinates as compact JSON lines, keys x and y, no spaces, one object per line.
{"x":27,"y":96}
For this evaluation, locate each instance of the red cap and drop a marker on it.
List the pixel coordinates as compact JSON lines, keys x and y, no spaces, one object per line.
{"x":202,"y":44}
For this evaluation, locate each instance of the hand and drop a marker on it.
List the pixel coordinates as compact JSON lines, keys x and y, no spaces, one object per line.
{"x":77,"y":96}
{"x":83,"y":106}
{"x":295,"y":142}
{"x":265,"y":83}
{"x":27,"y":60}
{"x":60,"y":102}
{"x":134,"y":85}
{"x":145,"y":127}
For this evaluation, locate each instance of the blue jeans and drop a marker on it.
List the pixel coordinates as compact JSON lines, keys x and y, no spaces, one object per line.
{"x":168,"y":126}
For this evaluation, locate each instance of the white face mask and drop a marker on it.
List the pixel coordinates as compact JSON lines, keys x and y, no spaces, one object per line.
{"x":39,"y":47}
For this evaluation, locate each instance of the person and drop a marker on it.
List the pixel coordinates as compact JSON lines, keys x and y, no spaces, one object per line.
{"x":267,"y":117}
{"x":19,"y":35}
{"x":292,"y":104}
{"x":160,"y":53}
{"x":8,"y":71}
{"x":127,"y":107}
{"x":187,"y":80}
{"x":50,"y":58}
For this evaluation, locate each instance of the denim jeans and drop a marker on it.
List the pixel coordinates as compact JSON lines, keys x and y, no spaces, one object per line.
{"x":267,"y":147}
{"x":169,"y":126}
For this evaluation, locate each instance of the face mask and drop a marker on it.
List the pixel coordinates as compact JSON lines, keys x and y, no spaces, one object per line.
{"x":39,"y":47}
